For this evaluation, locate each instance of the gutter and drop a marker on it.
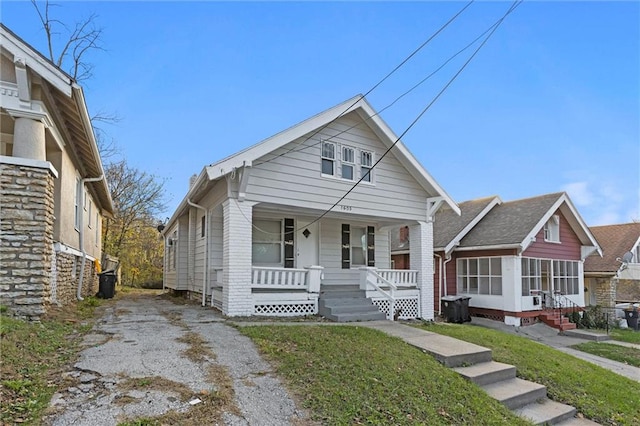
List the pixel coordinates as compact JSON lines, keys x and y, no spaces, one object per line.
{"x":206,"y":250}
{"x":80,"y":194}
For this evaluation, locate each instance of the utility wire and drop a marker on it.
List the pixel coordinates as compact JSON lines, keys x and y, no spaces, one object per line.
{"x":515,"y":4}
{"x":375,"y":86}
{"x":415,"y":86}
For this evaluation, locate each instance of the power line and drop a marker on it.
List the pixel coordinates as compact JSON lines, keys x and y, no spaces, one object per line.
{"x":415,"y":86}
{"x":515,"y":4}
{"x":375,"y":86}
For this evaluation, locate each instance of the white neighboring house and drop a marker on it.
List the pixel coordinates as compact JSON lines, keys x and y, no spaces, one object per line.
{"x":258,"y":232}
{"x":53,"y":194}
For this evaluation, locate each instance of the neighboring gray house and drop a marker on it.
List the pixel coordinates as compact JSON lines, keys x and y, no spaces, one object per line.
{"x":53,"y":194}
{"x":266,"y":232}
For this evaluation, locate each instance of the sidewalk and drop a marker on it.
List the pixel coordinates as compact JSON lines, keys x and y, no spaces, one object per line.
{"x":549,"y":336}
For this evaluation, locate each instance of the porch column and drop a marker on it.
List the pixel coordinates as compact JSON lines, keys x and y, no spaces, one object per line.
{"x":29,"y":139}
{"x":236,"y":258}
{"x":421,"y":259}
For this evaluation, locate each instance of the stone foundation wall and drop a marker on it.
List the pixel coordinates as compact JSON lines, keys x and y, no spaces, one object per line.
{"x":605,"y":289}
{"x":67,"y":276}
{"x":26,"y":239}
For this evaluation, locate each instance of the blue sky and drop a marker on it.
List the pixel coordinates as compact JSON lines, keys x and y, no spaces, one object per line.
{"x":551,"y":103}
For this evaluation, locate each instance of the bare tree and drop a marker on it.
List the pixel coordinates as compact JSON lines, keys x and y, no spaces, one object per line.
{"x":138,"y":197}
{"x":76,"y":44}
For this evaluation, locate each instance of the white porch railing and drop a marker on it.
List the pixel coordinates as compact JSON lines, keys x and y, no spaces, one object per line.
{"x":286,"y":278}
{"x":394,"y":291}
{"x":400,"y":277}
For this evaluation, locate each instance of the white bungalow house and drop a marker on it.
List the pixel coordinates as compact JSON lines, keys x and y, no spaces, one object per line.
{"x":281,"y":226}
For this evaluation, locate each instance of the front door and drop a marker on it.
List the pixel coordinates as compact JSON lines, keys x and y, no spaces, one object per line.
{"x":307,"y":239}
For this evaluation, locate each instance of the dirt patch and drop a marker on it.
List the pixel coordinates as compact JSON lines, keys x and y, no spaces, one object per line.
{"x":174,"y":318}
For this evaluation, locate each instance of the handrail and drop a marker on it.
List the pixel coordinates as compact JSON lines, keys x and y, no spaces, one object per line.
{"x":401,"y":277}
{"x":388,"y":295}
{"x":561,"y":301}
{"x":270,"y":277}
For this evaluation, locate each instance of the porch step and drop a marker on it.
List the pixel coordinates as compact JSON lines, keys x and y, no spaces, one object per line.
{"x":557,"y":321}
{"x":347,"y":303}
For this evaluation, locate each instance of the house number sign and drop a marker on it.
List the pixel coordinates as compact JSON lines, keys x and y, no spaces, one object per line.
{"x":345,"y":208}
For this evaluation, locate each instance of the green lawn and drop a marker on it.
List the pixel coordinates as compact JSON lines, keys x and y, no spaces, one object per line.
{"x":630,"y":356}
{"x":599,"y":394}
{"x":353,"y":375}
{"x":31,"y":355}
{"x":625,"y":335}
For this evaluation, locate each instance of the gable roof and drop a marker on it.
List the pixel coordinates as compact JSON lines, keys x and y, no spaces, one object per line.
{"x":357,"y":104}
{"x":449,"y":228}
{"x":515,"y":224}
{"x":69,"y":100}
{"x":615,"y":241}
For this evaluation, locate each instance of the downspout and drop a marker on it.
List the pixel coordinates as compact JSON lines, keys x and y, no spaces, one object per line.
{"x":80,"y":193}
{"x":439,"y":283}
{"x":206,"y":251}
{"x":444,"y":266}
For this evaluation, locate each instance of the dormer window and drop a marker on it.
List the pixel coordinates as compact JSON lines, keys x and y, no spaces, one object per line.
{"x":552,"y":229}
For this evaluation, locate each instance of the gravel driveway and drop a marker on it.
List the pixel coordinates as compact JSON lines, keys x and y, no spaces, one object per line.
{"x":147,"y":356}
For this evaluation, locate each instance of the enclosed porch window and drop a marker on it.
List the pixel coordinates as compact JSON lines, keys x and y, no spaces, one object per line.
{"x":480,"y":275}
{"x":266,"y":247}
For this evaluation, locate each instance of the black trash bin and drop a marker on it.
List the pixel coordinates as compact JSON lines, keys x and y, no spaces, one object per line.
{"x":632,"y":318}
{"x":107,"y":284}
{"x":465,"y":316}
{"x":451,"y":308}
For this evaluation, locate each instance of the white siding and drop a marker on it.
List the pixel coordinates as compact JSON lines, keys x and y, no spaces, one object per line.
{"x":294,"y":178}
{"x":182,"y":252}
{"x":170,"y":273}
{"x":331,"y":252}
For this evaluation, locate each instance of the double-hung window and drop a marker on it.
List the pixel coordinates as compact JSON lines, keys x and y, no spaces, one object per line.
{"x":348,"y":162}
{"x":328,"y":158}
{"x":366,"y":162}
{"x":267,"y":242}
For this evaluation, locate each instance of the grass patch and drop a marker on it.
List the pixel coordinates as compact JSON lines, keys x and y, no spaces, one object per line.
{"x":599,"y":394}
{"x":625,"y":335}
{"x":629,"y":356}
{"x":34,"y":354}
{"x":198,"y":351}
{"x":355,"y":375}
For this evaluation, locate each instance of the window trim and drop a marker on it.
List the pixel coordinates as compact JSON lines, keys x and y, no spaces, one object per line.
{"x":338,"y":163}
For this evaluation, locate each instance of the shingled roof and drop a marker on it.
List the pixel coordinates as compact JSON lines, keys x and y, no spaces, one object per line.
{"x":615,"y":241}
{"x":448,"y":225}
{"x":511,"y":222}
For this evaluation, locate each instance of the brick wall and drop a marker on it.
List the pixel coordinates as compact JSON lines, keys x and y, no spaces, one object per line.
{"x":26,"y":239}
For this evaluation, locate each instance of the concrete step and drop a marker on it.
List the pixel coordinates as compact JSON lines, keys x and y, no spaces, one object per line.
{"x":324,"y":301}
{"x":357,"y":316}
{"x":546,"y":412}
{"x":577,"y":421}
{"x":515,"y":393}
{"x":587,"y":335}
{"x":351,"y":308}
{"x":451,"y":352}
{"x":487,"y":372}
